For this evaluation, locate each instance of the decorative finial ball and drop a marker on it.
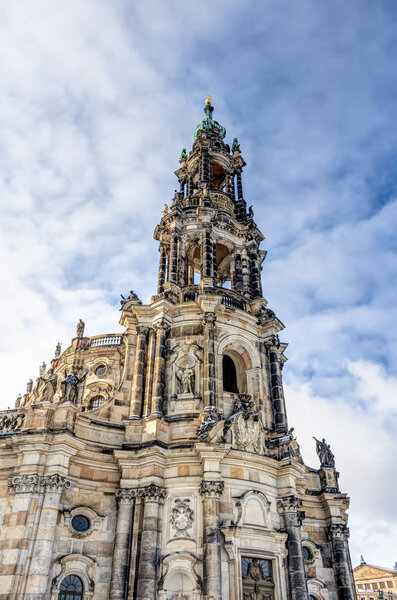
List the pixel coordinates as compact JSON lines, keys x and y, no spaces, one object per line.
{"x":208,"y":99}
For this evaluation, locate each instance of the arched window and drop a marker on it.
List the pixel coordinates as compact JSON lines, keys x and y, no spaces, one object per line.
{"x":229,"y":375}
{"x":71,"y":588}
{"x":96,"y":402}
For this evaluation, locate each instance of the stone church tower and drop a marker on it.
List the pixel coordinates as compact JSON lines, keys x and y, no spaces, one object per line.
{"x":159,"y":463}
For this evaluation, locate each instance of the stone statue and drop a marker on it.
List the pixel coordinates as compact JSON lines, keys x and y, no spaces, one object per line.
{"x":165,"y":210}
{"x":212,"y":417}
{"x":29,"y":386}
{"x":42,"y":369}
{"x":183,"y":154}
{"x":326,"y":456}
{"x":131,"y":296}
{"x":50,"y":385}
{"x":80,"y":328}
{"x":69,"y":387}
{"x":186,"y":380}
{"x":18,"y":400}
{"x":58,"y":350}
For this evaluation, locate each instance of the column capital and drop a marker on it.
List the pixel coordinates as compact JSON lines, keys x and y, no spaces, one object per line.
{"x":338,"y":531}
{"x":152,"y":493}
{"x":56,"y":483}
{"x":142,"y":329}
{"x":272,"y":342}
{"x":211,"y":489}
{"x":32,"y":482}
{"x":289,"y":504}
{"x":29,"y":482}
{"x":125,"y":495}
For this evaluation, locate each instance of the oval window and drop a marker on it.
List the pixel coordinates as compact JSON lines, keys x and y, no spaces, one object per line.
{"x":101,"y":370}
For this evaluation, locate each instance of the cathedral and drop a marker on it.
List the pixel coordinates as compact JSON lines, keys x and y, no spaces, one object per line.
{"x":158,"y":463}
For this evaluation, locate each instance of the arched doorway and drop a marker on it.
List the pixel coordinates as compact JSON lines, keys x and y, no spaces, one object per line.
{"x":71,"y":588}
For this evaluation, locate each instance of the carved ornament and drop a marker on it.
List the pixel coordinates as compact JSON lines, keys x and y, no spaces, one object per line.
{"x":182,"y":517}
{"x":211,"y":489}
{"x":125,"y":496}
{"x":289,"y":504}
{"x":338,"y":531}
{"x":12,"y":422}
{"x":152,"y":493}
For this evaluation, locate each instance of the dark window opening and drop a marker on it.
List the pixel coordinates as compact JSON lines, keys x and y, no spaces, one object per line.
{"x":229,"y":375}
{"x":71,"y":588}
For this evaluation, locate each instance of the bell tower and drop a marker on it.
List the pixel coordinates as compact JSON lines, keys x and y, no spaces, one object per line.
{"x":208,"y":240}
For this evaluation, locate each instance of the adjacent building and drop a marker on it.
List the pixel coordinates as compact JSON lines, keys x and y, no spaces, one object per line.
{"x":373,"y":582}
{"x":159,"y":462}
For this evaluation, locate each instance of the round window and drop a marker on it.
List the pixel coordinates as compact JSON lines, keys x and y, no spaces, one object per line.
{"x":101,"y":370}
{"x":80,"y":523}
{"x":307,"y":555}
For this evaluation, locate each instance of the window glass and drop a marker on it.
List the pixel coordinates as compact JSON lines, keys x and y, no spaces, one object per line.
{"x":71,"y":588}
{"x":80,"y":523}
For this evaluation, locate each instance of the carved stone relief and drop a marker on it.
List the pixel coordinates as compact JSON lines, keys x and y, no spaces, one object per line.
{"x":11,"y":422}
{"x":257,"y":578}
{"x":182,"y":517}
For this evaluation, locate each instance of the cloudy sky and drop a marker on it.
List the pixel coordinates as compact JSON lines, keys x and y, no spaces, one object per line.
{"x":97,"y":100}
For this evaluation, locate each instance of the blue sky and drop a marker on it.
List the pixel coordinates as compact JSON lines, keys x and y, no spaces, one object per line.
{"x":97,"y":101}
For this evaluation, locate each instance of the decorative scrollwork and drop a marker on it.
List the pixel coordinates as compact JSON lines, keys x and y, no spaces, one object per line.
{"x":152,"y":493}
{"x":338,"y":531}
{"x":181,"y":517}
{"x":125,"y":496}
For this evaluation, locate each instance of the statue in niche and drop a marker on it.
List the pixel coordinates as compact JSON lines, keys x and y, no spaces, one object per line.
{"x":50,"y":385}
{"x":80,"y":328}
{"x":186,"y":380}
{"x":69,"y":387}
{"x":325,"y":454}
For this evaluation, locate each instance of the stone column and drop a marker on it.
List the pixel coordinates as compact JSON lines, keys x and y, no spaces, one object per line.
{"x":162,"y":269}
{"x":338,"y":534}
{"x":279,"y":412}
{"x":293,"y":518}
{"x":255,"y":276}
{"x":122,"y":544}
{"x":238,"y":274}
{"x":153,"y":496}
{"x":212,"y":580}
{"x":173,"y":266}
{"x":159,"y":370}
{"x":245,"y":270}
{"x":149,"y":373}
{"x":207,"y":253}
{"x":42,"y":552}
{"x":209,"y":359}
{"x":138,"y":378}
{"x":239,"y":186}
{"x":230,"y":185}
{"x":19,"y":528}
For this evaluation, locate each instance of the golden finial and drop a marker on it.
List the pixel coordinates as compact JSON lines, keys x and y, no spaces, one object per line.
{"x":208,"y":99}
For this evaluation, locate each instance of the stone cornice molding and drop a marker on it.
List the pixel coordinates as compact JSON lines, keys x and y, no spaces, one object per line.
{"x":211,"y":489}
{"x":32,"y":482}
{"x":125,"y":496}
{"x":338,"y":531}
{"x":289,"y":504}
{"x":152,"y":493}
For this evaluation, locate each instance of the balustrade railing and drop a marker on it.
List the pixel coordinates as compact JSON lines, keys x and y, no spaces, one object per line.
{"x":106,"y":340}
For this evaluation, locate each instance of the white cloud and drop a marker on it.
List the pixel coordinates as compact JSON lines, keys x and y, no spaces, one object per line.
{"x":362,"y":437}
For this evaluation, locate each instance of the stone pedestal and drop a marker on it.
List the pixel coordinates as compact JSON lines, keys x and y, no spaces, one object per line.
{"x":292,"y":517}
{"x":212,"y":580}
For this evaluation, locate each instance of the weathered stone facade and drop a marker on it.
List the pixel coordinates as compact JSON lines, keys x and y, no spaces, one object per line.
{"x":158,"y":463}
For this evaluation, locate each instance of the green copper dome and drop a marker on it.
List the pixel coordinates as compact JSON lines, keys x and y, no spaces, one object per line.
{"x":208,"y":124}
